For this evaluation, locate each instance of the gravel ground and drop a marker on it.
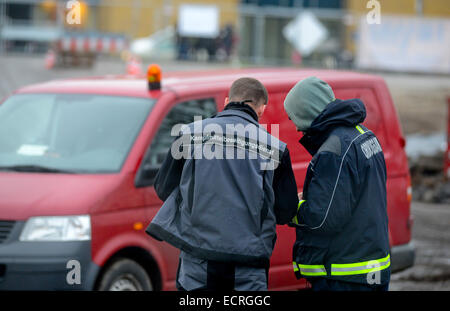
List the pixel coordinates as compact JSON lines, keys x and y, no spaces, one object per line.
{"x":18,"y":71}
{"x":421,"y":101}
{"x":431,"y":236}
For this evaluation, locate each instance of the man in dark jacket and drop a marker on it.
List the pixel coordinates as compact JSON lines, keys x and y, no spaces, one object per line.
{"x":225,"y":184}
{"x":341,"y":222}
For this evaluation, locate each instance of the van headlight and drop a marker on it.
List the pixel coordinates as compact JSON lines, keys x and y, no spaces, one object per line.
{"x":57,"y":228}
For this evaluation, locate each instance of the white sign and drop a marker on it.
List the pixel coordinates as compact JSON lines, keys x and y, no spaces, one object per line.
{"x":198,"y":21}
{"x":305,"y":33}
{"x":405,"y":44}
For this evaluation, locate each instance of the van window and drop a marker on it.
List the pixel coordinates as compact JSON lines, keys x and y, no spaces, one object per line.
{"x":77,"y":133}
{"x":182,"y":113}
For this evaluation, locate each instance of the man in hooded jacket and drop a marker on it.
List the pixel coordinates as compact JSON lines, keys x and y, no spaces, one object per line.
{"x":341,"y":223}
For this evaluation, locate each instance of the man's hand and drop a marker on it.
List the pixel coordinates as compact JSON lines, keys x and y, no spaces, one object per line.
{"x":300,"y":196}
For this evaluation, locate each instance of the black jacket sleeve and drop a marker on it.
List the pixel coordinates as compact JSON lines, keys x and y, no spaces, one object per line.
{"x":169,"y":175}
{"x":285,"y":189}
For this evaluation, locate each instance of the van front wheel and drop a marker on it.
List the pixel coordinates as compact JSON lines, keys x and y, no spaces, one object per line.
{"x":125,"y":275}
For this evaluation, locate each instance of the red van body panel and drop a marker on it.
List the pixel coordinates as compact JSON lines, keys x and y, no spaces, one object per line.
{"x":116,"y":205}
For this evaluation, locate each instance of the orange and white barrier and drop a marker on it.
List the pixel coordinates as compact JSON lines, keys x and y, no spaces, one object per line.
{"x":92,"y":44}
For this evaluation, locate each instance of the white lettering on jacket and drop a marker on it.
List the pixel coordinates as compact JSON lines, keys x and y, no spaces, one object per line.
{"x":371,"y":147}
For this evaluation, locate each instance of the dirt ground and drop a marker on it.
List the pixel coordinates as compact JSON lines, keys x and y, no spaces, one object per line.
{"x":431,"y":236}
{"x":421,"y":101}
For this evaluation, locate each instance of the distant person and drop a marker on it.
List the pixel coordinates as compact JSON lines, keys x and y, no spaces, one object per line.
{"x":342,"y":223}
{"x":182,"y":48}
{"x":182,"y":45}
{"x":222,"y":212}
{"x":226,"y":40}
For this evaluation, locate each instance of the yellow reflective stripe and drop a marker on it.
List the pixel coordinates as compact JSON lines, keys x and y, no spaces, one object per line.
{"x":361,"y":267}
{"x":295,"y":219}
{"x":360,"y":129}
{"x":300,"y":204}
{"x":295,"y":266}
{"x":311,"y":266}
{"x":358,"y":264}
{"x":312,"y":270}
{"x":312,"y":273}
{"x":364,"y":271}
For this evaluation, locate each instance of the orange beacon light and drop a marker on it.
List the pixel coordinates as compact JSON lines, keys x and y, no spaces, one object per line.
{"x":154,"y":77}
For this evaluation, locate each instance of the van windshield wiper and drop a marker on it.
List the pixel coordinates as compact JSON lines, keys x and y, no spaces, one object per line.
{"x":34,"y":169}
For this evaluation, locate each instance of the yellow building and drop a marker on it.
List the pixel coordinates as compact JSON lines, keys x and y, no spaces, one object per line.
{"x":140,"y":18}
{"x":425,"y":8}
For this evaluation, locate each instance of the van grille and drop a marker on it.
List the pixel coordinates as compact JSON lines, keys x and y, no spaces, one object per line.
{"x":6,"y":227}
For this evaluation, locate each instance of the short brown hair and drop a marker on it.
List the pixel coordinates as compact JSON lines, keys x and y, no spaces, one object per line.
{"x":248,"y":89}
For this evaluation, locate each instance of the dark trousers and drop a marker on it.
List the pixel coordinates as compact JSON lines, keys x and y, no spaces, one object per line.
{"x":322,"y":284}
{"x":221,"y":276}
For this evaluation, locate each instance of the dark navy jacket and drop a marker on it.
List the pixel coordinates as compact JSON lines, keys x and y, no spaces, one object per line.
{"x":342,"y":223}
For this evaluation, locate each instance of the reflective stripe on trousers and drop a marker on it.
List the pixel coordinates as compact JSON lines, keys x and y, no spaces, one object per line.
{"x":361,"y":267}
{"x":344,"y":269}
{"x":310,"y":270}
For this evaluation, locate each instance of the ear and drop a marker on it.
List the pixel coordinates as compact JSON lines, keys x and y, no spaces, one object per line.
{"x":260,"y":110}
{"x":226,"y":101}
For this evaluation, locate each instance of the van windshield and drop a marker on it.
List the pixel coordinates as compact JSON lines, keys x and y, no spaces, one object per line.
{"x":74,"y":133}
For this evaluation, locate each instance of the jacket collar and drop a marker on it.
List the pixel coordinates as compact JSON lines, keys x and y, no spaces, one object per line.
{"x":242,"y":106}
{"x":241,"y":110}
{"x":337,"y":113}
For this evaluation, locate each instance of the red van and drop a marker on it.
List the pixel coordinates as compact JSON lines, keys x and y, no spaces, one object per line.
{"x":78,"y":159}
